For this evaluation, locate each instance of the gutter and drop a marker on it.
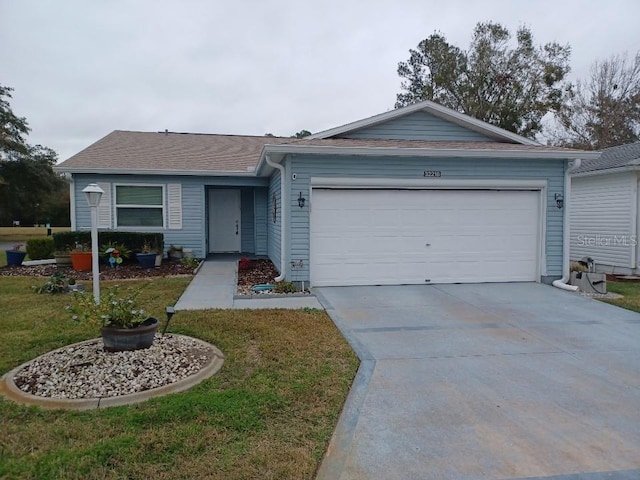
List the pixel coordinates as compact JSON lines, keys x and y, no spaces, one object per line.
{"x":283,"y":218}
{"x":285,"y":149}
{"x":562,"y":283}
{"x":146,"y":171}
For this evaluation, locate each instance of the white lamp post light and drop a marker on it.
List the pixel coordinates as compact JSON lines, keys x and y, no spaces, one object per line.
{"x":94,"y":194}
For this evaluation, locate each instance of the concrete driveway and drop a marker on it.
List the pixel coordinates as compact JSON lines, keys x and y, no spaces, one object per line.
{"x":486,"y":381}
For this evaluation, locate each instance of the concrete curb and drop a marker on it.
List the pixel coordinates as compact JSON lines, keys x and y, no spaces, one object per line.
{"x":9,"y":389}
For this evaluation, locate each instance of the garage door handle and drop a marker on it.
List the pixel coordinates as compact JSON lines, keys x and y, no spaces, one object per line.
{"x":236,"y":227}
{"x":427,"y":244}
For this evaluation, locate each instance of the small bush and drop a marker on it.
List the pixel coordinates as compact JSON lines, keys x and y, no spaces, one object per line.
{"x":285,"y":287}
{"x":56,"y":284}
{"x":190,"y":262}
{"x":134,"y":241}
{"x":40,"y":248}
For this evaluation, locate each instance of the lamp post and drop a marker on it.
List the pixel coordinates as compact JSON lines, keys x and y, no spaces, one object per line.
{"x":94,"y":194}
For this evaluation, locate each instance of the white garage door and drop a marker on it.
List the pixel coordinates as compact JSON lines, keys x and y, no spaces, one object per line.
{"x":390,"y":237}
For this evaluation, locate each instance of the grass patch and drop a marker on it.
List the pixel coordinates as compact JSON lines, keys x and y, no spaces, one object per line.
{"x":22,"y":234}
{"x":268,"y":413}
{"x":631,"y":292}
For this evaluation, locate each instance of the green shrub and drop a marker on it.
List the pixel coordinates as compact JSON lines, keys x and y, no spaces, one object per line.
{"x":285,"y":287}
{"x":40,"y":248}
{"x":134,"y":241}
{"x":56,"y":284}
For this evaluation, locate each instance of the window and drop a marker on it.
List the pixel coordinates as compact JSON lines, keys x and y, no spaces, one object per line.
{"x":139,"y":206}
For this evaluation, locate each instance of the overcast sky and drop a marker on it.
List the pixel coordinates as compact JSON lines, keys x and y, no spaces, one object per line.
{"x":83,"y":68}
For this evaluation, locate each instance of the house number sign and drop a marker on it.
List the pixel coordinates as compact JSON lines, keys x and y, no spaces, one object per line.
{"x":432,"y":173}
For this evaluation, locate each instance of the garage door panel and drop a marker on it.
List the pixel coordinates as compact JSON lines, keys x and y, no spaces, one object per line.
{"x":370,"y":237}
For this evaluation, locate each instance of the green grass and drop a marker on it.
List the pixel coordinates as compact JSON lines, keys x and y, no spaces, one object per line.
{"x":631,"y":292}
{"x":268,"y":413}
{"x":22,"y":234}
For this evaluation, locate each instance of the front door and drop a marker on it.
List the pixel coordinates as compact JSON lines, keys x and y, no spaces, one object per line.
{"x":224,"y":220}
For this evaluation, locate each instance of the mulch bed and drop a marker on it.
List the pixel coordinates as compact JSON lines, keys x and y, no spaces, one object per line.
{"x":257,"y":272}
{"x":131,"y":271}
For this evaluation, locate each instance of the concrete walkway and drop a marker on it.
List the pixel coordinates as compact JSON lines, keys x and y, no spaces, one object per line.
{"x":486,"y":381}
{"x":214,"y":286}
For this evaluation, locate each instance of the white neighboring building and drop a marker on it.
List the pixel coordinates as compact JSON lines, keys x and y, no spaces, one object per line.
{"x":605,"y":208}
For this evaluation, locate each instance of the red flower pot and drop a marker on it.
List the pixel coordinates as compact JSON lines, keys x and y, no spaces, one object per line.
{"x":81,"y":261}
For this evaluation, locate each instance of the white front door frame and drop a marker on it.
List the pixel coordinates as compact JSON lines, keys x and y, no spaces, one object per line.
{"x":224,"y":220}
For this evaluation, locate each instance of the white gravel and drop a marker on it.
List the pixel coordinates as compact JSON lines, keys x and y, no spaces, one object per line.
{"x":87,"y":371}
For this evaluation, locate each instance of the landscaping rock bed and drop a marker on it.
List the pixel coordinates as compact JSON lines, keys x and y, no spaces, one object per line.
{"x":257,"y":272}
{"x":87,"y":371}
{"x":127,"y":271}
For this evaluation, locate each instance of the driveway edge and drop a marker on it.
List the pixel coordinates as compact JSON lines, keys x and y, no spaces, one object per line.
{"x":340,"y":444}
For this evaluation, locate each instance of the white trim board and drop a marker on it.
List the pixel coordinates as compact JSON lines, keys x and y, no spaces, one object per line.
{"x":426,"y":183}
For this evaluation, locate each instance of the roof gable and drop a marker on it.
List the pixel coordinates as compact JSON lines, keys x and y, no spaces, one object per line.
{"x":475,"y":126}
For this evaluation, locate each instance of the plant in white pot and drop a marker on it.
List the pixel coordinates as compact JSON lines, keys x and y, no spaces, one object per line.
{"x":124,"y":324}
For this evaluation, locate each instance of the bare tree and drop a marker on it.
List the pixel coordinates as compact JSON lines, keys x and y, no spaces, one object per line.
{"x":604,"y":110}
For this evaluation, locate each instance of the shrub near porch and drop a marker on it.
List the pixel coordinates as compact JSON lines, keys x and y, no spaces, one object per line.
{"x":269,"y":413}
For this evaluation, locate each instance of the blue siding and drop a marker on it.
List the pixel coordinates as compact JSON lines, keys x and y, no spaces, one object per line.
{"x":273,"y":227}
{"x":194,"y":213}
{"x":412,"y":168}
{"x":261,"y":218}
{"x":418,"y":126}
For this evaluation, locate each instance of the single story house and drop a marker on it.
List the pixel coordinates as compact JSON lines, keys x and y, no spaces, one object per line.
{"x":605,"y":209}
{"x":421,"y":194}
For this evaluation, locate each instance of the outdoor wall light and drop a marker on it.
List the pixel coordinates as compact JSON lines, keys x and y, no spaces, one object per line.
{"x":301,"y":200}
{"x":559,"y":198}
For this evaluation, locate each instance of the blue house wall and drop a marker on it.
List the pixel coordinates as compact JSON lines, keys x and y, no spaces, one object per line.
{"x":418,"y":126}
{"x":306,"y":166}
{"x":193,"y":233}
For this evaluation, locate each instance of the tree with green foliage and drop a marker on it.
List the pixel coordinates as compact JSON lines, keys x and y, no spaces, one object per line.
{"x":604,"y":110}
{"x":12,"y":128}
{"x":508,"y":86}
{"x":302,"y":134}
{"x":30,"y":191}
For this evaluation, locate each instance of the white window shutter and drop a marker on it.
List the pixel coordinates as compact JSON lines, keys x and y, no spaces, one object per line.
{"x":104,"y":207}
{"x":174,"y":197}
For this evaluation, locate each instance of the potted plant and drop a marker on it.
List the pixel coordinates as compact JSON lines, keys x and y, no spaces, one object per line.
{"x":147,"y":256}
{"x":63,"y":257}
{"x":15,"y":256}
{"x":81,"y":258}
{"x":124,"y":325}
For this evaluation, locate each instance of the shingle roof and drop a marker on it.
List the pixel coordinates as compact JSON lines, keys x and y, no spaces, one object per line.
{"x":172,"y":151}
{"x":614,"y":157}
{"x":219,"y":154}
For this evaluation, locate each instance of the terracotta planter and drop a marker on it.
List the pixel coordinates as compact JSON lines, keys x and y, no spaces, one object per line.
{"x":146,"y":260}
{"x":121,"y":339}
{"x":15,"y":258}
{"x":81,"y":261}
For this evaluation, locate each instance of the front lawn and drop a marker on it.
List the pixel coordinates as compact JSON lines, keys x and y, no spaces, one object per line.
{"x":631,"y":292}
{"x":268,"y":413}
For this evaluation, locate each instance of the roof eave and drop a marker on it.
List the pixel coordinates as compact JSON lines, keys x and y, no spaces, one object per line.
{"x":425,"y":152}
{"x":142,"y":171}
{"x":607,"y":171}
